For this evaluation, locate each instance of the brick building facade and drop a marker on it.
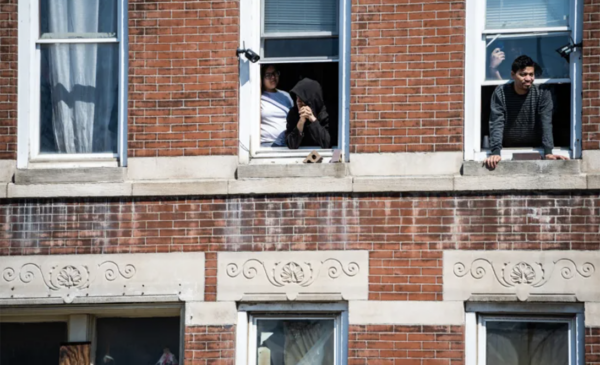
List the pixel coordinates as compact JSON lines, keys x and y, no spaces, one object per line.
{"x":405,"y":252}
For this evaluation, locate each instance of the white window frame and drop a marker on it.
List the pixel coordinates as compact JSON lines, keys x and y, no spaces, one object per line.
{"x":248,"y":314}
{"x":251,"y":31}
{"x":477,"y":314}
{"x":475,"y":74}
{"x":29,"y":63}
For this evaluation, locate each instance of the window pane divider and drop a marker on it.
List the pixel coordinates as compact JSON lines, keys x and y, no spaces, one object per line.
{"x":76,"y":40}
{"x":78,"y":35}
{"x":300,"y":59}
{"x":527,"y":30}
{"x":536,"y":82}
{"x":299,"y":35}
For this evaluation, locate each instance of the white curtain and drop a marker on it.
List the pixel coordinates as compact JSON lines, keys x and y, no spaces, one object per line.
{"x":308,"y":343}
{"x":527,"y":344}
{"x":82,"y":77}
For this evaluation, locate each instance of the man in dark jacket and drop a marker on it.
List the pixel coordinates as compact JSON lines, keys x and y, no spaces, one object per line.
{"x":308,"y":121}
{"x":521,"y":114}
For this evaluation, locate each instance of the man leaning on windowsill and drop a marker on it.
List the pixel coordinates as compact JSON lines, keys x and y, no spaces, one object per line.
{"x":521,"y":114}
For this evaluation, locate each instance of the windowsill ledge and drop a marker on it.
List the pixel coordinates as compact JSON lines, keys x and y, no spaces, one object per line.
{"x":523,"y":168}
{"x":300,"y":185}
{"x":310,"y":170}
{"x":95,"y":175}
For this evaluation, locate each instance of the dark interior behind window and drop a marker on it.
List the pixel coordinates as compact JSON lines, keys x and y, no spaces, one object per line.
{"x":31,"y":343}
{"x":327,"y":75}
{"x":561,"y":119}
{"x":136,"y":341}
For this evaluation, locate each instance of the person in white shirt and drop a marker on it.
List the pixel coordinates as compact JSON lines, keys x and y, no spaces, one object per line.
{"x":274,"y":107}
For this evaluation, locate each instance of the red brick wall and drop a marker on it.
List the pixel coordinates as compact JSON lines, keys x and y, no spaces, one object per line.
{"x":8,"y":79}
{"x":407,"y":75}
{"x":183,"y":77}
{"x":405,"y":234}
{"x":210,"y":345}
{"x":592,"y":346}
{"x":591,"y":75}
{"x":406,"y":345}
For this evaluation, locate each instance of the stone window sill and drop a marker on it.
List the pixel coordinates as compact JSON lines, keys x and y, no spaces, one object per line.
{"x":520,"y":168}
{"x":311,"y":170}
{"x":70,"y":176}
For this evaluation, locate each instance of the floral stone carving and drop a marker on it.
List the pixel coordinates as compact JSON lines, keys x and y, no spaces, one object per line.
{"x":103,"y":276}
{"x":517,"y":272}
{"x":269,"y":274}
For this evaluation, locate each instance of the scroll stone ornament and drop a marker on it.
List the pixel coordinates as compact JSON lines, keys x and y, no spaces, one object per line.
{"x":126,"y":276}
{"x":291,"y":274}
{"x":542,"y":275}
{"x":67,"y":281}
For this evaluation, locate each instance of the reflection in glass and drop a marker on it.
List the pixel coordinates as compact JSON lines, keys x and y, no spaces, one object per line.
{"x":300,"y":16}
{"x":306,"y":47}
{"x":78,"y":98}
{"x":77,"y":16}
{"x":295,"y":342}
{"x":527,"y":343}
{"x":542,"y":49}
{"x":515,"y":14}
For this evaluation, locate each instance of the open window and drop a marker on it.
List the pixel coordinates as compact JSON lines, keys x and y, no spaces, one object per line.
{"x":536,"y":28}
{"x":72,"y":83}
{"x":295,"y":40}
{"x":41,"y":339}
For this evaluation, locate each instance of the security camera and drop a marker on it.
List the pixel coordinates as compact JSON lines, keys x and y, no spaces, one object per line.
{"x":566,"y":50}
{"x":250,"y":54}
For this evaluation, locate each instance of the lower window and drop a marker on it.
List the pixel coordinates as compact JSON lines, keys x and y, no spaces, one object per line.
{"x":294,"y":340}
{"x":527,"y":340}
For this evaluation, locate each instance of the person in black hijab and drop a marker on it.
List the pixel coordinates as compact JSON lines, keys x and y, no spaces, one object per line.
{"x":308,"y":121}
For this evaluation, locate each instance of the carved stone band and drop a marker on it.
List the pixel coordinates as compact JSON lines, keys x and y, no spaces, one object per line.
{"x":124,"y":276}
{"x":525,"y":274}
{"x":292,"y":275}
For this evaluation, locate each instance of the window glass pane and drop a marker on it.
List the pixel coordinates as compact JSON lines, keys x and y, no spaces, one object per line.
{"x":79,"y":98}
{"x":137,"y":341}
{"x":295,"y":342}
{"x":561,"y":114}
{"x":532,"y":343}
{"x":511,"y":14}
{"x":77,"y":16}
{"x":300,"y":16}
{"x":307,"y":47}
{"x":31,"y":343}
{"x":542,"y":49}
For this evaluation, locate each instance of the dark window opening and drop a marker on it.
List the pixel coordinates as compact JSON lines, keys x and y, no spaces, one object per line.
{"x":31,"y":343}
{"x":137,"y":341}
{"x":561,"y":115}
{"x":326,"y":74}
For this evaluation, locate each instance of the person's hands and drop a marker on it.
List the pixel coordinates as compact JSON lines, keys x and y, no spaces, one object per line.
{"x":555,"y":157}
{"x":496,"y":58}
{"x":306,"y":112}
{"x":492,"y":161}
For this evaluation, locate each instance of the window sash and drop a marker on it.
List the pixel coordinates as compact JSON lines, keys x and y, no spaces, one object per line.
{"x":254,"y":318}
{"x":476,"y":74}
{"x":29,"y":79}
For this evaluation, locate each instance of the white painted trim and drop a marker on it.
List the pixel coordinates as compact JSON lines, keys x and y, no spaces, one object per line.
{"x":475,"y":66}
{"x":433,"y":313}
{"x":241,"y":338}
{"x":536,"y":82}
{"x":29,"y":56}
{"x":527,"y":30}
{"x":471,"y":338}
